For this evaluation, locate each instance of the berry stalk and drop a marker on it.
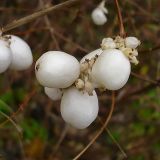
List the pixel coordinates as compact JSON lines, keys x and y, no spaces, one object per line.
{"x":121,"y":26}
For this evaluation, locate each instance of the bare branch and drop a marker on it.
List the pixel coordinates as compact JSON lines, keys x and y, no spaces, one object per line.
{"x":29,"y":18}
{"x":145,"y":79}
{"x":49,"y":25}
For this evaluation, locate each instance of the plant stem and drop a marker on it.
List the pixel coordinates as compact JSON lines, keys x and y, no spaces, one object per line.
{"x":121,"y":26}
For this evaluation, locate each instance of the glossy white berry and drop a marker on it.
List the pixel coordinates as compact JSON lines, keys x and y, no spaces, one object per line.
{"x":5,"y":56}
{"x":132,"y":42}
{"x":56,"y":69}
{"x":98,"y":16}
{"x":21,"y":54}
{"x":91,"y":55}
{"x":53,"y":93}
{"x":111,"y":70}
{"x":79,"y":109}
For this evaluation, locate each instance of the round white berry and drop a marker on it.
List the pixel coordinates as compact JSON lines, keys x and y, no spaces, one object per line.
{"x":56,"y":69}
{"x":98,"y":16}
{"x":5,"y":56}
{"x":111,"y":70}
{"x":21,"y":54}
{"x":91,"y":55}
{"x":53,"y":93}
{"x":132,"y":42}
{"x":79,"y":109}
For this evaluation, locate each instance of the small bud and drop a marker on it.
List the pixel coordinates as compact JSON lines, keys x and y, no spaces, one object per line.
{"x":84,"y":66}
{"x":127,"y":51}
{"x":89,"y":88}
{"x":92,"y":61}
{"x":134,"y":60}
{"x":102,"y":89}
{"x":79,"y":84}
{"x":135,"y":52}
{"x":119,"y":42}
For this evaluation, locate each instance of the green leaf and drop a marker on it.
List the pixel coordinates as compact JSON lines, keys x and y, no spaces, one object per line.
{"x":4,"y":107}
{"x":137,"y":129}
{"x":146,"y":114}
{"x":32,"y":129}
{"x":8,"y":97}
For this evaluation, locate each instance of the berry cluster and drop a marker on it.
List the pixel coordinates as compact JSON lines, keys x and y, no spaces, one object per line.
{"x":74,"y":82}
{"x":15,"y":53}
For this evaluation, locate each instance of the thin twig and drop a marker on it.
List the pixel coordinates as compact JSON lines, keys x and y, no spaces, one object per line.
{"x":18,"y":129}
{"x":113,"y":139}
{"x":61,"y":36}
{"x":61,"y":138}
{"x":142,"y":90}
{"x":145,"y":79}
{"x":58,"y":34}
{"x":101,"y":129}
{"x":157,"y":47}
{"x":143,"y":10}
{"x":21,"y":107}
{"x":51,"y":29}
{"x":29,"y":18}
{"x":9,"y":119}
{"x":121,"y":26}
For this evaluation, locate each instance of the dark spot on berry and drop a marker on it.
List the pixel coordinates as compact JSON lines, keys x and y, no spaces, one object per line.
{"x":96,"y":55}
{"x":37,"y":67}
{"x":87,"y":60}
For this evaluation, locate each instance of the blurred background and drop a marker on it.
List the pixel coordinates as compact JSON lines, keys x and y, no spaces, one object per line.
{"x":35,"y":129}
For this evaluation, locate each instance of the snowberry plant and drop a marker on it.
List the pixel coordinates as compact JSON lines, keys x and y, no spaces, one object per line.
{"x":15,"y":53}
{"x":63,"y":77}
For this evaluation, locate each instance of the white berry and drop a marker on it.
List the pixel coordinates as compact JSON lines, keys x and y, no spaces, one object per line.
{"x":56,"y":69}
{"x":98,"y":16}
{"x":91,"y":55}
{"x":5,"y":56}
{"x":132,"y":42}
{"x":111,"y":70}
{"x":53,"y":93}
{"x":79,"y":109}
{"x":21,"y":54}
